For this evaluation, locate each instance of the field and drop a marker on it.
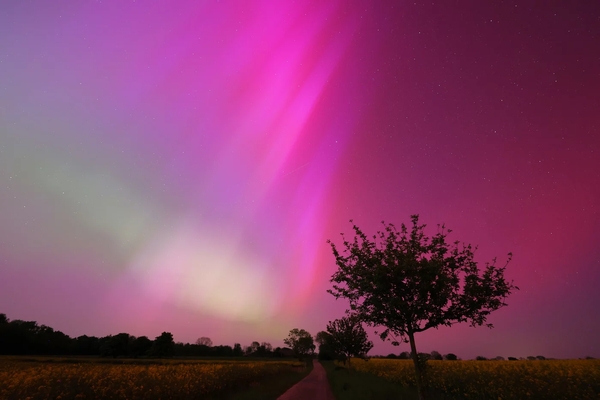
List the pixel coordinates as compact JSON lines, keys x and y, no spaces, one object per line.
{"x":73,"y":378}
{"x":505,"y":380}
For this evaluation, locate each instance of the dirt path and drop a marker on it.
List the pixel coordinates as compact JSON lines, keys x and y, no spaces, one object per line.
{"x":314,"y":387}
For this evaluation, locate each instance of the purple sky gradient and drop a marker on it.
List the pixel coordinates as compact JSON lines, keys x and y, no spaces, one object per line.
{"x":179,"y":166}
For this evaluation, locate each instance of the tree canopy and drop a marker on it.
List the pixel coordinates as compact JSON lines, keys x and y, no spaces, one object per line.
{"x":349,"y":337}
{"x":204,"y":341}
{"x":407,"y":282}
{"x":300,"y":341}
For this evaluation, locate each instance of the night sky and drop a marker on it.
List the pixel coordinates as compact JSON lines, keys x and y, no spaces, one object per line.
{"x":179,"y":166}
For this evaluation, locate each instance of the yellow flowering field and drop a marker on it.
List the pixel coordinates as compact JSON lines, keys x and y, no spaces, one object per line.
{"x":498,"y":380}
{"x":90,"y":380}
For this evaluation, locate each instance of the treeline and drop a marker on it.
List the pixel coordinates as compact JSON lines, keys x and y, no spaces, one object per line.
{"x":19,"y":337}
{"x":434,"y":355}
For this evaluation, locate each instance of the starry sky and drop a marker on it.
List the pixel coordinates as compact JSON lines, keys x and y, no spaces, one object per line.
{"x":179,"y":166}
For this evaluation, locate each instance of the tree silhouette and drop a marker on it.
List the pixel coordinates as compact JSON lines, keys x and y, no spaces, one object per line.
{"x":327,"y":349}
{"x":204,"y":341}
{"x":300,"y":341}
{"x":407,"y":283}
{"x":141,"y":346}
{"x":237,"y":350}
{"x":349,"y":337}
{"x":164,"y":345}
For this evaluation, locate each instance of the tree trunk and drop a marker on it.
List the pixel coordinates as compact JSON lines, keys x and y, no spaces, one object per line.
{"x":418,"y":372}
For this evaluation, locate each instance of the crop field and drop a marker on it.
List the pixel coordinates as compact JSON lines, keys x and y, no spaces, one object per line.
{"x":498,"y":380}
{"x":82,"y":379}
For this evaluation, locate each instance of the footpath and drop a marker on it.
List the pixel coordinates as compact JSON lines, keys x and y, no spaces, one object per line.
{"x":314,"y":387}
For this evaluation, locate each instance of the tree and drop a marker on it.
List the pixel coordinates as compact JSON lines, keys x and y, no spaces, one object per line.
{"x":117,"y":345}
{"x":326,"y":346}
{"x":300,"y":341}
{"x":266,"y":347}
{"x":451,"y":357}
{"x":408,"y":283}
{"x":163,"y":346}
{"x":349,"y":337}
{"x":204,"y":341}
{"x":237,"y":350}
{"x":140,"y":346}
{"x":435,"y":355}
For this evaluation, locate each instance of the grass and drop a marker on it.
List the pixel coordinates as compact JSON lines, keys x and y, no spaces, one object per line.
{"x":506,"y":380}
{"x":274,"y":388}
{"x":348,"y":384}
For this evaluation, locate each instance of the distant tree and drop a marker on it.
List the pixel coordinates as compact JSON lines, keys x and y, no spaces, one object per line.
{"x":405,"y":355}
{"x":512,"y":358}
{"x":499,"y":358}
{"x":222,"y":351}
{"x":408,"y":283}
{"x":141,"y":346}
{"x":301,"y":342}
{"x":264,"y":350}
{"x":204,"y":341}
{"x":540,"y":357}
{"x":349,"y":337}
{"x":46,"y":340}
{"x":435,"y":355}
{"x":163,"y":345}
{"x":119,"y":345}
{"x":481,"y":358}
{"x":451,"y":357}
{"x":326,"y":344}
{"x":4,"y":319}
{"x":531,"y":358}
{"x":391,"y":356}
{"x":237,"y":350}
{"x":322,"y":337}
{"x":86,"y":345}
{"x":267,"y":346}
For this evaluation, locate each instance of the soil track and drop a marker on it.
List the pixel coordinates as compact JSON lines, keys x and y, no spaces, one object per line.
{"x":314,"y":387}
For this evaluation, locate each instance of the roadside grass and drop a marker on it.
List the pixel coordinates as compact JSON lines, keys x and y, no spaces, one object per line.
{"x":350,"y":384}
{"x":274,"y":388}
